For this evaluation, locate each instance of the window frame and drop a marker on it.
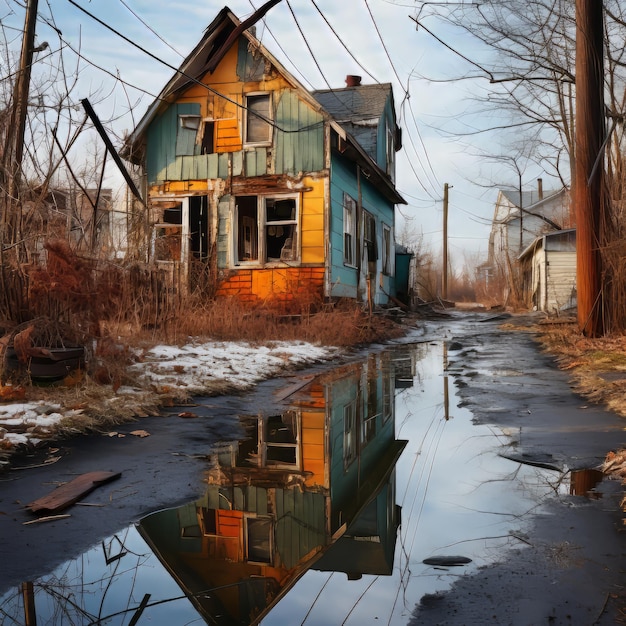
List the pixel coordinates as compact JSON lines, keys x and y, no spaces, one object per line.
{"x":261,"y":229}
{"x":268,"y":121}
{"x":350,"y":434}
{"x":349,"y":230}
{"x":387,"y":255}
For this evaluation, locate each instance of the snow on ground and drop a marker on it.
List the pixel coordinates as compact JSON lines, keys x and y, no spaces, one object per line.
{"x":195,"y":368}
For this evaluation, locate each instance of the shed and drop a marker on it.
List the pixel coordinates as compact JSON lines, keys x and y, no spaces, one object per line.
{"x":548,"y":267}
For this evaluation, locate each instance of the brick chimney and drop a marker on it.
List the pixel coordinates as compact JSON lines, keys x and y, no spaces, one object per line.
{"x":352,"y":80}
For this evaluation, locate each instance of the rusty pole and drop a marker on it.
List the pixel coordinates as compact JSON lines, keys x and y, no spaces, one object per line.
{"x":589,"y":164}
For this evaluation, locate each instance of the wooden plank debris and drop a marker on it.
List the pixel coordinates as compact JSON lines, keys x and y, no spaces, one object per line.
{"x":69,"y":493}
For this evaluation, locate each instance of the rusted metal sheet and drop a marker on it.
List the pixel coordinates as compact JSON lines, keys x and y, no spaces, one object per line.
{"x":69,"y":493}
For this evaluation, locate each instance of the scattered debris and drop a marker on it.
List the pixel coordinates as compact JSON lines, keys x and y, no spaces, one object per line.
{"x":49,"y":461}
{"x":187,"y":414}
{"x":615,"y":463}
{"x":48,"y":518}
{"x":69,"y":493}
{"x":140,"y":433}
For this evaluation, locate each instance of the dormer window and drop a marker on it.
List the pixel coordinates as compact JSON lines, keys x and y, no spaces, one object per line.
{"x":258,"y":119}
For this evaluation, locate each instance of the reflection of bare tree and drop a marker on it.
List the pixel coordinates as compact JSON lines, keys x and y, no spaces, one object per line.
{"x":70,"y":596}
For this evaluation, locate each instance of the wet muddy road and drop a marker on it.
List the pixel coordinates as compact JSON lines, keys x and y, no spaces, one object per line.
{"x":316,"y":500}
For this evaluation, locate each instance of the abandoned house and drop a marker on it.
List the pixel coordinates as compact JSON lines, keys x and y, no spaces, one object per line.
{"x":262,"y":190}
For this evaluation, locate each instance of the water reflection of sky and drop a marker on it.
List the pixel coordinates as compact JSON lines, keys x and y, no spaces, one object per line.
{"x":456,"y":496}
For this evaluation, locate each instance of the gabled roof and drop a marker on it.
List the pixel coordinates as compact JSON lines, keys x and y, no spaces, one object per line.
{"x":204,"y":58}
{"x":358,"y":110}
{"x":355,"y":104}
{"x":529,"y":198}
{"x":568,"y":236}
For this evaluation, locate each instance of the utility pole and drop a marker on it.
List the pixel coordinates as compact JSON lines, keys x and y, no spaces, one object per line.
{"x":589,"y":195}
{"x":444,"y":280}
{"x":20,"y":102}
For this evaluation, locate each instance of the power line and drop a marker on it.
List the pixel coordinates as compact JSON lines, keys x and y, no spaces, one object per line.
{"x":152,"y":30}
{"x":192,"y":78}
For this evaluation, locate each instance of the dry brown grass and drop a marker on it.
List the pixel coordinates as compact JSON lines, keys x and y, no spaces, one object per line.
{"x":92,"y":399}
{"x":597,"y":366}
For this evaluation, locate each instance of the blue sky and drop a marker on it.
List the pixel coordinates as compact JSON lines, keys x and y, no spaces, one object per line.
{"x":379,"y":34}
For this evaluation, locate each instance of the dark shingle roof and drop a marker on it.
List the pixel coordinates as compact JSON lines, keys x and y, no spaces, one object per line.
{"x":358,"y":110}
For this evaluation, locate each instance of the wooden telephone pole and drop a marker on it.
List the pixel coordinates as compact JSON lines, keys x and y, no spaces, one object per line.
{"x":19,"y":110}
{"x":589,"y":196}
{"x":444,"y":280}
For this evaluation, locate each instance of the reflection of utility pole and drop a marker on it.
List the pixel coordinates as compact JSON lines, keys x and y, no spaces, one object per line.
{"x":28,"y":596}
{"x":446,"y":400}
{"x":444,"y":287}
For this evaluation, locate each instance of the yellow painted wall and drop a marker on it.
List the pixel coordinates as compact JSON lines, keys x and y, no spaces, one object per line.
{"x":312,"y":225}
{"x":313,"y":447}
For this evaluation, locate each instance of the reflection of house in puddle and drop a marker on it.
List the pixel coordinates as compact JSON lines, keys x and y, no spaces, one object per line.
{"x":318,"y":478}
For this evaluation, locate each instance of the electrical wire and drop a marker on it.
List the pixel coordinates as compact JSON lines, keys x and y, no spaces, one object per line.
{"x":192,"y":78}
{"x":182,"y":56}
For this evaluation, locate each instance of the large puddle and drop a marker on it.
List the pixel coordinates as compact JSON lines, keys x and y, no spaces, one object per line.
{"x":322,"y":515}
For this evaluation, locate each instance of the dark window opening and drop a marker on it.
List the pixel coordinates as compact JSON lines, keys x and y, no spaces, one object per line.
{"x":207,"y":145}
{"x":259,"y":533}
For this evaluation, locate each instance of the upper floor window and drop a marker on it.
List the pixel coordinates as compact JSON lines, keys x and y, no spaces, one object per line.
{"x":391,"y":153}
{"x":349,"y":229}
{"x":258,"y":119}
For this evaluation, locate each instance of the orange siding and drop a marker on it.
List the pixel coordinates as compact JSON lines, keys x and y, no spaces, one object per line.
{"x":281,"y":285}
{"x":313,"y":446}
{"x":312,"y":227}
{"x":227,"y":137}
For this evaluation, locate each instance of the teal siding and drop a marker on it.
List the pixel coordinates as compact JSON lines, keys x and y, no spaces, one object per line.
{"x":344,"y":279}
{"x":343,"y":179}
{"x":172,"y":153}
{"x":250,"y":66}
{"x":299,"y":136}
{"x":163,"y":142}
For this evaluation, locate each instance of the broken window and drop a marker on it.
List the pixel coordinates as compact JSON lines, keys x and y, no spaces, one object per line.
{"x":349,"y":434}
{"x":387,"y":257}
{"x":369,"y":237}
{"x":258,"y":119}
{"x":259,"y":539}
{"x":282,"y":440}
{"x":349,"y":229}
{"x":167,"y":233}
{"x":267,"y":229}
{"x":207,"y":137}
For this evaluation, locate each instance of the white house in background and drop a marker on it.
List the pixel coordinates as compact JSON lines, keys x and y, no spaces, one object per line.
{"x":548,"y":270}
{"x":519,"y":218}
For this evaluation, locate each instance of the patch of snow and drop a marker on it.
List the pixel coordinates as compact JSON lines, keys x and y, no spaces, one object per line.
{"x":193,"y":367}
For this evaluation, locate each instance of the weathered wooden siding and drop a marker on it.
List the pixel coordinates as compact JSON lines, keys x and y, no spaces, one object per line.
{"x":560,"y":281}
{"x":298,"y":138}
